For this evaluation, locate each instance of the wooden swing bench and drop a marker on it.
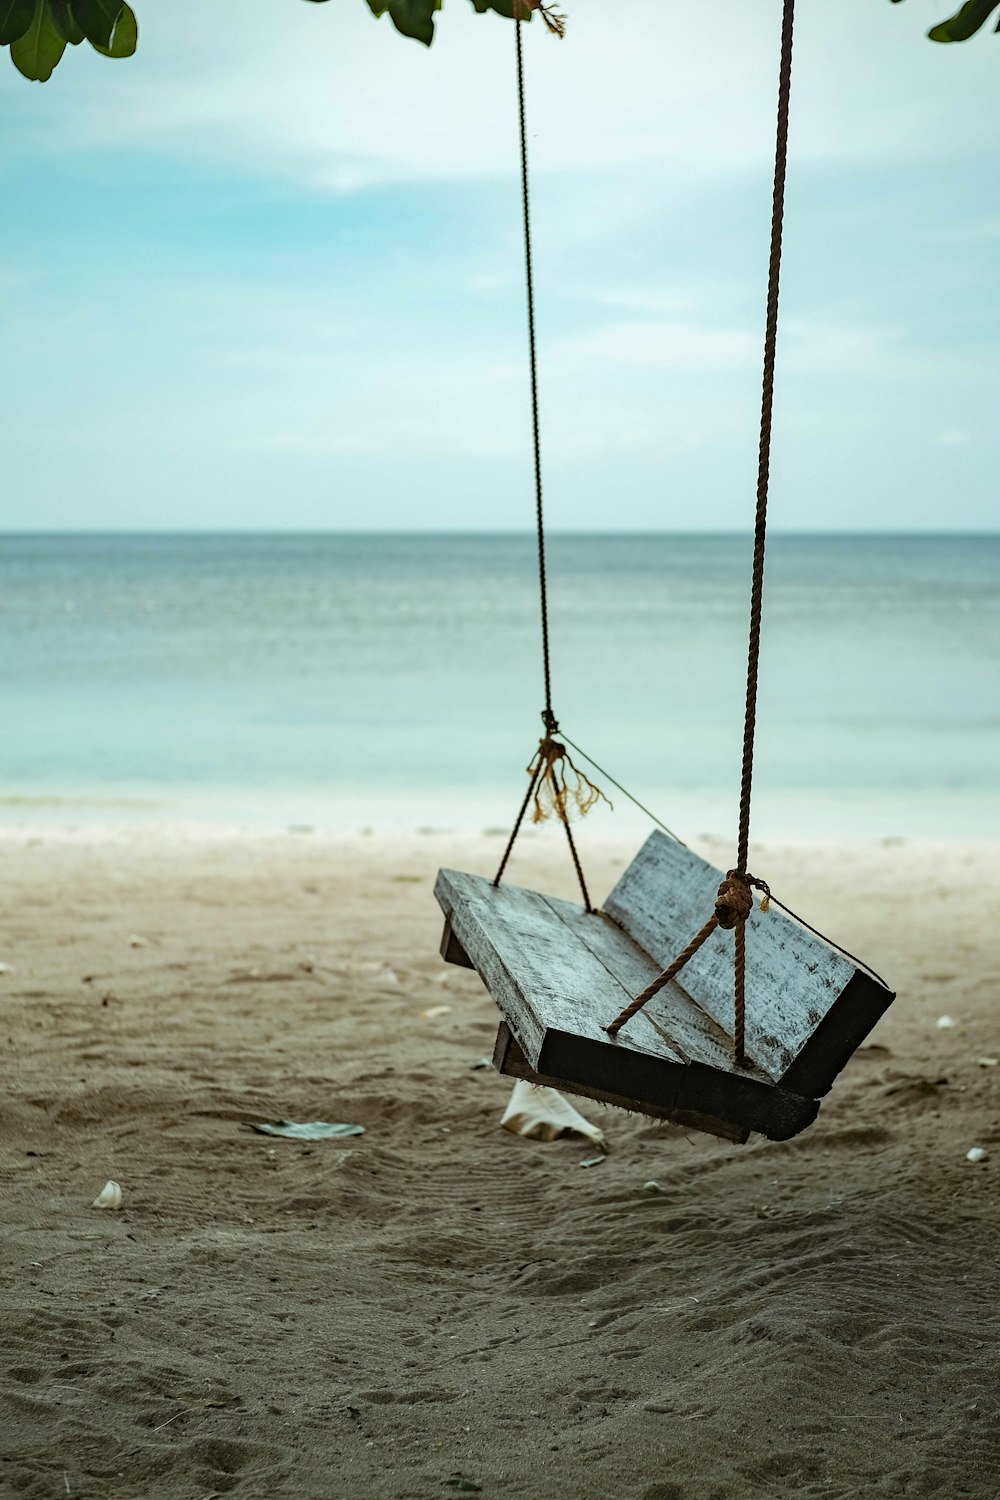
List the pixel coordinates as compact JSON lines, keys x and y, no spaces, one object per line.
{"x":730,"y":1034}
{"x":560,"y":975}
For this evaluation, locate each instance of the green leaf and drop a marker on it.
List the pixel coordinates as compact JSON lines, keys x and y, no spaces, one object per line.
{"x":98,"y":19}
{"x":412,"y":17}
{"x":15,"y":18}
{"x":965,"y":22}
{"x":504,"y":8}
{"x":37,"y":52}
{"x":65,"y":22}
{"x":124,"y":38}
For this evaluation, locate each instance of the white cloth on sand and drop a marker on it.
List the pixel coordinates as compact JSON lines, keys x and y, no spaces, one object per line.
{"x":544,"y":1115}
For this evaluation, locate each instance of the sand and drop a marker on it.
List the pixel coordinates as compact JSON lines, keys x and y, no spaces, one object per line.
{"x":438,"y":1307}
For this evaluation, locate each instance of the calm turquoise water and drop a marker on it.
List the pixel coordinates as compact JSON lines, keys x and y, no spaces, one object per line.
{"x":396,"y":681}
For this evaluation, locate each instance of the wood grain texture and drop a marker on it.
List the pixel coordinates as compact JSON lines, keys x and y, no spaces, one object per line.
{"x":793,"y":979}
{"x":559,"y":974}
{"x":689,"y":1032}
{"x":838,"y":1036}
{"x":530,"y":962}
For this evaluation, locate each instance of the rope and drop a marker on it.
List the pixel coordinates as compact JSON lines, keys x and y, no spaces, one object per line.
{"x":543,"y":773}
{"x":579,"y":868}
{"x":735,"y":900}
{"x":859,"y":962}
{"x":739,"y":987}
{"x":553,"y":795}
{"x":664,"y":978}
{"x":548,"y":716}
{"x":624,"y":790}
{"x":517,"y":825}
{"x":733,"y":904}
{"x":766,"y":413}
{"x":554,"y":792}
{"x":548,"y":785}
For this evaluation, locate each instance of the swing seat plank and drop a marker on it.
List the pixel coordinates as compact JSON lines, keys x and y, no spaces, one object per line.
{"x":559,"y":975}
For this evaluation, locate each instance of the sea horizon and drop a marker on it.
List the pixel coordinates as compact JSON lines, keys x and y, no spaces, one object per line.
{"x":392,"y":679}
{"x":774,"y":531}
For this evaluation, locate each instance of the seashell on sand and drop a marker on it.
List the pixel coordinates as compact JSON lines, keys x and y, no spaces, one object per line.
{"x":110,"y":1196}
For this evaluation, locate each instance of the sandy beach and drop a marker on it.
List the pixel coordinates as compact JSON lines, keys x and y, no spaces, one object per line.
{"x":437,"y":1306}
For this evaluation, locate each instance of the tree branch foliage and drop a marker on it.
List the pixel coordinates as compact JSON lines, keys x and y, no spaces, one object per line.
{"x":39,"y":31}
{"x":965,"y":22}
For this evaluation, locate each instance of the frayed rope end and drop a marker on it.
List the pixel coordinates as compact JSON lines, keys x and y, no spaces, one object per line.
{"x":557,"y":793}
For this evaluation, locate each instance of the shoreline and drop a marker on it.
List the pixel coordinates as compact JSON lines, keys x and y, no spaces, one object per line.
{"x":873,"y":818}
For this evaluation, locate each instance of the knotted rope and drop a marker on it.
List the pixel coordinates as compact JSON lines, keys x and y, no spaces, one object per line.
{"x":733,"y":905}
{"x":557,"y":793}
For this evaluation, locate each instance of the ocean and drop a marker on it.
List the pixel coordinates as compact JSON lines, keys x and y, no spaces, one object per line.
{"x":394,"y":681}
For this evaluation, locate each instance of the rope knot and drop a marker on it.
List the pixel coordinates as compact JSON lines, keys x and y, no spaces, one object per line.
{"x":555,"y":791}
{"x":734,"y":903}
{"x":765,"y":892}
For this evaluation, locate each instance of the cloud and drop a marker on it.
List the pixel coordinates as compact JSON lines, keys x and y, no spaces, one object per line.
{"x":639,"y":299}
{"x":661,"y":345}
{"x":235,"y":309}
{"x":804,"y":346}
{"x":809,"y":346}
{"x":329,"y":97}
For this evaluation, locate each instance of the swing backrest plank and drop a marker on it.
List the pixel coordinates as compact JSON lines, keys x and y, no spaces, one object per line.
{"x":807,"y":1006}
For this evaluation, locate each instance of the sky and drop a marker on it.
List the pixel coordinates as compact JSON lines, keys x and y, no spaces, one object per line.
{"x":267,"y":274}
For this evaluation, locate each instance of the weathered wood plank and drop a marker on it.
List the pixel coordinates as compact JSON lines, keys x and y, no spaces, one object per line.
{"x":511,"y":1061}
{"x":452,"y":951}
{"x":656,"y":1086}
{"x":542,"y":977}
{"x":838,"y":1036}
{"x":793,"y":980}
{"x":554,"y":989}
{"x":689,"y":1031}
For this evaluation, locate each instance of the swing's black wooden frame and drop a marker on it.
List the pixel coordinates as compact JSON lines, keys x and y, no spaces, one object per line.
{"x":559,"y":975}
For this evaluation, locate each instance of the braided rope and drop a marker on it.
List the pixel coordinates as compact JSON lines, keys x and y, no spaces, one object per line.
{"x":543,"y":772}
{"x":664,"y":978}
{"x":533,"y":362}
{"x":766,"y":417}
{"x":735,"y":900}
